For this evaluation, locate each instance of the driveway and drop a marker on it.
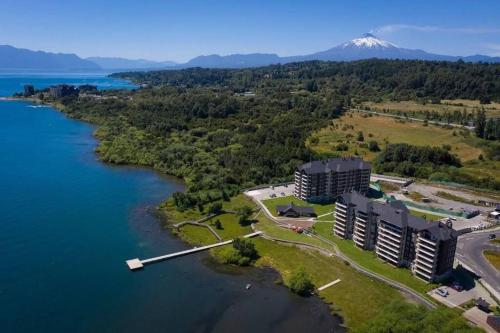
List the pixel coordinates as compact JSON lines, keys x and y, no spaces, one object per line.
{"x":470,"y":249}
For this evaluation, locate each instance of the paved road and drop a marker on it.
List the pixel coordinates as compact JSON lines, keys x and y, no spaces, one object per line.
{"x":407,"y":290}
{"x":470,"y":249}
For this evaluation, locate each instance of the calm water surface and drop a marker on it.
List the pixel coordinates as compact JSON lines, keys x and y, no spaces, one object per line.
{"x":69,"y":222}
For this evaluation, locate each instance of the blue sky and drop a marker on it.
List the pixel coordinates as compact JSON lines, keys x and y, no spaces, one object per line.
{"x":180,"y":30}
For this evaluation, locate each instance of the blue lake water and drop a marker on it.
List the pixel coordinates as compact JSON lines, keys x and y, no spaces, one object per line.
{"x":68,"y":223}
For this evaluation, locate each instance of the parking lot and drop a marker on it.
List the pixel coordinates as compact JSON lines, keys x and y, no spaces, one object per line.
{"x":457,"y":298}
{"x":272,"y":192}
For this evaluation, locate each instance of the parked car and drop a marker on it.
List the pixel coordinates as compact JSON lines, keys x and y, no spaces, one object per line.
{"x":492,"y":236}
{"x":457,"y":286}
{"x":283,"y":193}
{"x":442,"y":292}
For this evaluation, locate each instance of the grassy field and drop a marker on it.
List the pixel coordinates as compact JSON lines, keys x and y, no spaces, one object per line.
{"x":387,"y":130}
{"x":319,"y":209}
{"x":493,"y":257}
{"x":492,"y":110}
{"x":356,"y":298}
{"x":427,"y":216}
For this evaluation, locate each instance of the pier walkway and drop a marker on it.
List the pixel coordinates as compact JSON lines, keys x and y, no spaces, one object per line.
{"x":137,"y":263}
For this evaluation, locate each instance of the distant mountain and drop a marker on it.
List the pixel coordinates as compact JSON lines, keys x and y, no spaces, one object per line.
{"x":12,"y":58}
{"x":233,"y":60}
{"x":365,"y":47}
{"x":112,"y":63}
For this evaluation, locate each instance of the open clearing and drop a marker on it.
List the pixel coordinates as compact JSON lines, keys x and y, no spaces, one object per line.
{"x":492,"y":110}
{"x":388,"y":130}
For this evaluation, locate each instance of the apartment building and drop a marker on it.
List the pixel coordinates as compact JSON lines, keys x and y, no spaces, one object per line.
{"x":403,"y":240}
{"x":355,"y":219}
{"x":324,"y":181}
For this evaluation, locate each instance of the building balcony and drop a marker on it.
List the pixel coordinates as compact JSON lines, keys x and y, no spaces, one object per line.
{"x":426,"y":256}
{"x":427,"y":270}
{"x":359,"y":233}
{"x":421,"y":262}
{"x":426,"y":247}
{"x":339,"y":226}
{"x":340,"y":213}
{"x":360,"y":225}
{"x":359,"y":243}
{"x":386,"y":230}
{"x":388,"y":248}
{"x":425,"y":251}
{"x":389,"y":238}
{"x":425,"y":240}
{"x":387,"y":258}
{"x":422,"y":275}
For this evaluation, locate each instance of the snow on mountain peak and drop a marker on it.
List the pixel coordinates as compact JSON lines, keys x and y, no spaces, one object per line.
{"x":368,"y":40}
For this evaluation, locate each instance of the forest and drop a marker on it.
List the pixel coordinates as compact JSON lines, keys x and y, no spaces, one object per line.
{"x":225,"y":130}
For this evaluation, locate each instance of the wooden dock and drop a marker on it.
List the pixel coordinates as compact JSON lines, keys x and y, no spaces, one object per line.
{"x":135,"y":264}
{"x":329,"y":285}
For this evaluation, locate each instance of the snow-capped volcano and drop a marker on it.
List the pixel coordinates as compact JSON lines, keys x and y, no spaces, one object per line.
{"x":368,"y":40}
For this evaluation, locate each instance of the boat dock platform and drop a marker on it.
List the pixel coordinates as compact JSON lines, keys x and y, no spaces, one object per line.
{"x":135,"y":264}
{"x":329,"y":285}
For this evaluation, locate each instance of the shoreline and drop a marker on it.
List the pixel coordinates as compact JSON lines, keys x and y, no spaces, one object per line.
{"x":163,"y":218}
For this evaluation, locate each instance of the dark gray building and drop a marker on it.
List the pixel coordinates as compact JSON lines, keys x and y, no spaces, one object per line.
{"x":399,"y":238}
{"x":62,"y":90}
{"x":292,"y":210}
{"x":324,"y":181}
{"x":29,"y":90}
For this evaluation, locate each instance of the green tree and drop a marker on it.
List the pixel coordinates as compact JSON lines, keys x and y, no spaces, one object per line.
{"x":360,"y":136}
{"x":243,"y":214}
{"x":215,"y":208}
{"x":217,"y":224}
{"x":300,"y":282}
{"x":373,"y":146}
{"x":245,"y":247}
{"x":480,"y":123}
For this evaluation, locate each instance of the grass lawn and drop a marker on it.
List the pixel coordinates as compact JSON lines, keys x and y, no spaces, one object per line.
{"x":272,"y":229}
{"x":175,"y":216}
{"x":492,"y":110}
{"x":356,"y":298}
{"x":368,"y":259}
{"x":388,"y":130}
{"x":319,"y":209}
{"x":196,"y":235}
{"x":427,"y":216}
{"x":493,"y":257}
{"x":230,"y":226}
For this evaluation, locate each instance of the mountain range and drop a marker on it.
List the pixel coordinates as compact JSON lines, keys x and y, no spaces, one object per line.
{"x":365,"y":47}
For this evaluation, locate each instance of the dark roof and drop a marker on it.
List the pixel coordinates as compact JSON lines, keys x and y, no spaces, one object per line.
{"x":338,"y":164}
{"x":482,"y":302}
{"x":291,"y":207}
{"x":397,"y":214}
{"x":354,"y":198}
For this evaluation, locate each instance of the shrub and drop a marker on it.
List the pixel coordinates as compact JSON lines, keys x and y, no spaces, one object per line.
{"x":300,"y":283}
{"x":373,"y":146}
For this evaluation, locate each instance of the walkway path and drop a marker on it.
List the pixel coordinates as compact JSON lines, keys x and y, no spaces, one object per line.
{"x":137,"y":263}
{"x":410,"y":292}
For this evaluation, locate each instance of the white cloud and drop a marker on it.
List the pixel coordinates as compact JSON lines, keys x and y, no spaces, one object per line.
{"x":391,"y":28}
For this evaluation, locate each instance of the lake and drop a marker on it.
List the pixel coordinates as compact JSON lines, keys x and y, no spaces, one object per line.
{"x":68,"y":222}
